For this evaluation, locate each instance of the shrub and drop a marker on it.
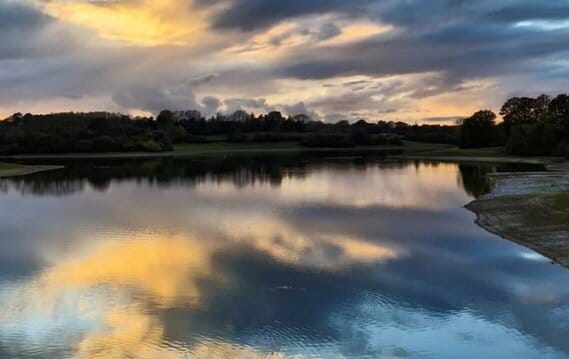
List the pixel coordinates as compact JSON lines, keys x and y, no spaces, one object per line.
{"x":327,"y":140}
{"x":534,"y":139}
{"x":106,"y":144}
{"x":148,"y":146}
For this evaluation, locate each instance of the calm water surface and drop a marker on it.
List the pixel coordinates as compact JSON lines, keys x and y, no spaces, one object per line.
{"x":273,"y":257}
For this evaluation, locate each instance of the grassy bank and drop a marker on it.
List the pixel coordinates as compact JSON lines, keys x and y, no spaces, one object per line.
{"x":9,"y":166}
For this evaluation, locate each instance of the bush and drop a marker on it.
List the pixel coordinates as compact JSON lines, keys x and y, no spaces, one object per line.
{"x":262,"y":137}
{"x":327,"y":140}
{"x":84,"y":146}
{"x":562,"y":148}
{"x":180,"y":134}
{"x":197,"y":139}
{"x":534,"y":139}
{"x":106,"y":144}
{"x":148,"y":146}
{"x":376,"y":140}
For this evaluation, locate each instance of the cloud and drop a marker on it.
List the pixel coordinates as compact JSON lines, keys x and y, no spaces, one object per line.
{"x":210,"y":105}
{"x":336,"y":57}
{"x":249,"y":104}
{"x":154,"y":99}
{"x":27,"y":32}
{"x":142,"y":22}
{"x":249,"y":15}
{"x":300,"y":109}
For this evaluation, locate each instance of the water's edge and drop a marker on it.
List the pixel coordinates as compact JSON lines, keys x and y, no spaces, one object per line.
{"x":530,"y":209}
{"x":27,"y":170}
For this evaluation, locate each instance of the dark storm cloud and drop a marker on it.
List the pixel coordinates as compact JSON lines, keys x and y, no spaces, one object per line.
{"x":462,"y":38}
{"x":462,"y":52}
{"x":248,"y":15}
{"x":533,"y":10}
{"x":15,"y":16}
{"x":19,"y":27}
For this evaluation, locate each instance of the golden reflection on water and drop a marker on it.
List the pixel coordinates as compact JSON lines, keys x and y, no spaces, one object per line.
{"x":164,"y":268}
{"x":287,"y":244}
{"x":117,"y":281}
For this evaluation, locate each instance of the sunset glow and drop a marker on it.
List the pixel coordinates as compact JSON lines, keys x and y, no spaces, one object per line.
{"x":414,"y":61}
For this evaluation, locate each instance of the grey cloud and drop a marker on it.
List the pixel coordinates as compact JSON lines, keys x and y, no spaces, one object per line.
{"x":460,"y":39}
{"x":454,"y":40}
{"x":234,"y":104}
{"x":154,"y":99}
{"x":325,"y":32}
{"x":23,"y":32}
{"x":249,"y":15}
{"x":328,"y":31}
{"x":300,"y":109}
{"x":532,"y":10}
{"x":203,"y":80}
{"x":210,"y":105}
{"x":459,"y":54}
{"x":336,"y":117}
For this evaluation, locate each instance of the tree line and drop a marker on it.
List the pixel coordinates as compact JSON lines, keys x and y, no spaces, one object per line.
{"x":530,"y":126}
{"x":80,"y":132}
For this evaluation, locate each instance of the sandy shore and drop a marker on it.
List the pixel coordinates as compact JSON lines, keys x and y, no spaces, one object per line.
{"x":26,"y":170}
{"x":531,"y":209}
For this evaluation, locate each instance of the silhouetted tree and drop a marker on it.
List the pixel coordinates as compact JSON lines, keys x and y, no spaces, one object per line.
{"x":524,"y":110}
{"x":478,"y":130}
{"x":559,"y":110}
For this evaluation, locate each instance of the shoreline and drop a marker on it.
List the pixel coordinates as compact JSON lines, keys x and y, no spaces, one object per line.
{"x":381,"y":150}
{"x":24,"y":170}
{"x":474,"y":159}
{"x":530,"y":209}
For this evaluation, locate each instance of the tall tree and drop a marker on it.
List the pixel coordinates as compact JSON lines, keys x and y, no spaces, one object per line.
{"x":524,"y":110}
{"x":559,"y":110}
{"x":478,"y":130}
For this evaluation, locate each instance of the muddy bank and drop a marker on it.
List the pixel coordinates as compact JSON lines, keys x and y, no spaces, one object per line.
{"x":26,"y":170}
{"x":531,"y":209}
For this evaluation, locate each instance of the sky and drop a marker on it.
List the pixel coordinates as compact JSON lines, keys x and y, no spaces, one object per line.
{"x":402,"y":60}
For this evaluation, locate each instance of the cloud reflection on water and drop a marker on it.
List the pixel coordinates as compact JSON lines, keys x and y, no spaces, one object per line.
{"x":226,"y":264}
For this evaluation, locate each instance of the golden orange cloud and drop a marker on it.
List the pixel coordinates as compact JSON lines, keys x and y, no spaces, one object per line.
{"x":143,"y":22}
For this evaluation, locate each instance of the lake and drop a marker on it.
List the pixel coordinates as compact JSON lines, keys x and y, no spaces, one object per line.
{"x":268,"y":257}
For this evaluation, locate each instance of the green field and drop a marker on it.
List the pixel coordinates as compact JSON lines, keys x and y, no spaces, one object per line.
{"x":196,"y":148}
{"x":223,"y":148}
{"x":409,"y":148}
{"x":9,"y":166}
